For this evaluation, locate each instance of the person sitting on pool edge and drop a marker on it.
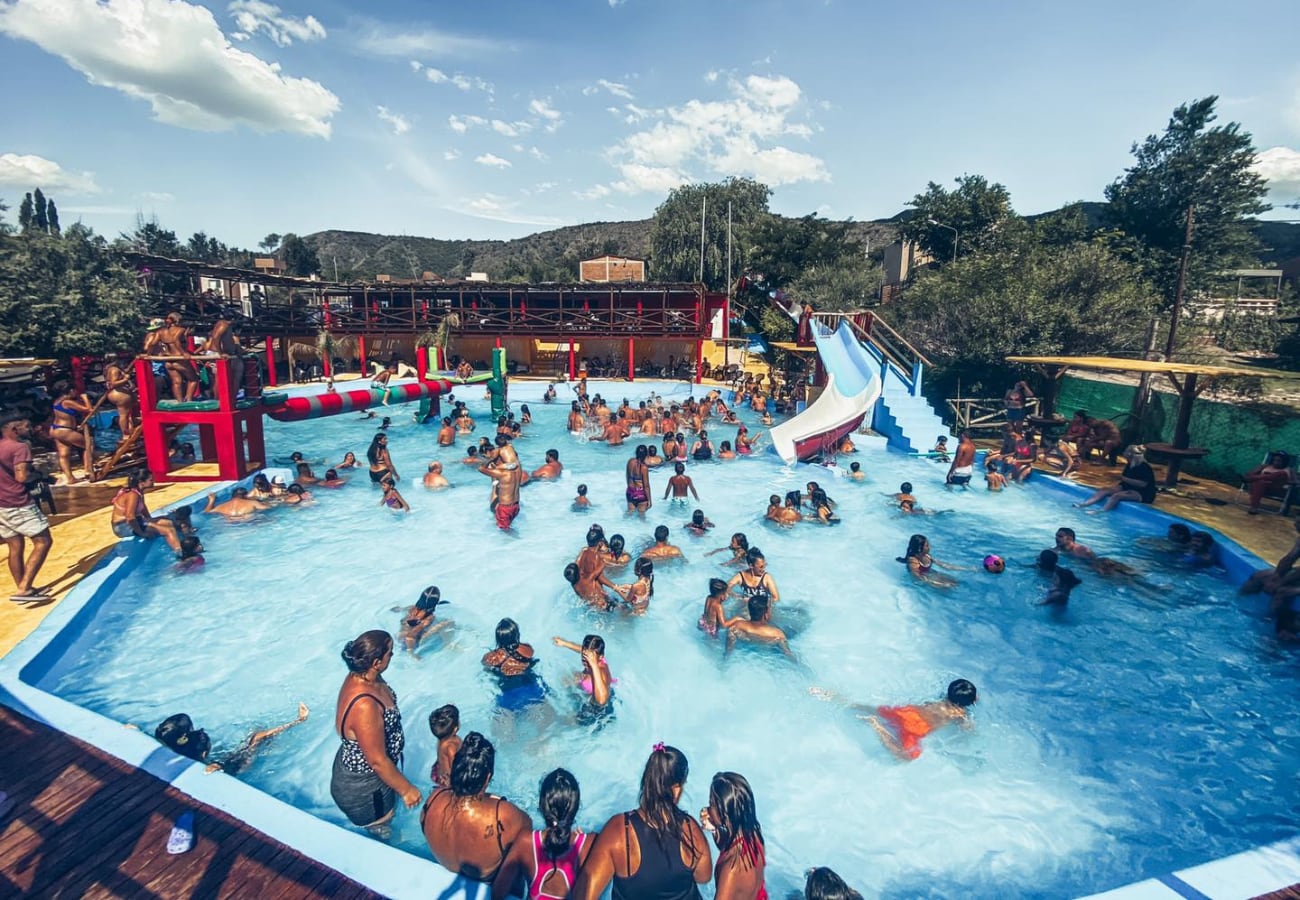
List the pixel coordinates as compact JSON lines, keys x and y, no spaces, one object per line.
{"x":758,"y":628}
{"x":178,"y":733}
{"x":911,"y":723}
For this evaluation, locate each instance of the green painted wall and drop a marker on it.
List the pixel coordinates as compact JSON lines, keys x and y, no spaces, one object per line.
{"x":1237,"y":435}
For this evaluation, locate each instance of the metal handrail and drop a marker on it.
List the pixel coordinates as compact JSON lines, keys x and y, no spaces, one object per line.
{"x":893,"y":346}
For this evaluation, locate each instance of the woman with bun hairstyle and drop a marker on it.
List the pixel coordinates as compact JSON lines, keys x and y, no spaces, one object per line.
{"x":551,"y":860}
{"x":366,"y":777}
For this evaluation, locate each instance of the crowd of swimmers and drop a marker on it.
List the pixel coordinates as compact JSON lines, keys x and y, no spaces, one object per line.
{"x":656,"y":848}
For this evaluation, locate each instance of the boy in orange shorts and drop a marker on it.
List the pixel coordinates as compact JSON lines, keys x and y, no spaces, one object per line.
{"x":904,"y":726}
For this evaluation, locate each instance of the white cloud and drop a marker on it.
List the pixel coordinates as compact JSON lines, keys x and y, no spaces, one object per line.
{"x":711,"y":76}
{"x":736,"y":136}
{"x":498,"y":208}
{"x":489,"y":159}
{"x":399,"y":123}
{"x":27,"y":172}
{"x":175,"y":56}
{"x":449,"y":155}
{"x":437,"y":76}
{"x":639,"y":179}
{"x":554,"y":118}
{"x":505,"y":129}
{"x":545,"y":186}
{"x":595,"y":192}
{"x":615,"y":4}
{"x":252,"y":16}
{"x":489,"y":203}
{"x":462,"y":124}
{"x":618,"y":90}
{"x":537,"y":154}
{"x":1281,"y":166}
{"x":387,"y":39}
{"x":518,"y":148}
{"x":156,"y":197}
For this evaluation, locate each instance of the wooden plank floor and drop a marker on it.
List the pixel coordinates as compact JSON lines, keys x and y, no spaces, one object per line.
{"x":87,"y":825}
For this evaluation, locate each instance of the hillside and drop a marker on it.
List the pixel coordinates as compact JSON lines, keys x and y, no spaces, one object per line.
{"x":554,"y":255}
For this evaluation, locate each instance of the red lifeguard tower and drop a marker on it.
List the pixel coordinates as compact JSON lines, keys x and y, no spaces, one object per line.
{"x":230,"y":432}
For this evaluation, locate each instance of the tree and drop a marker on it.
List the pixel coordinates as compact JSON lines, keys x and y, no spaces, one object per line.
{"x":270,"y":242}
{"x":849,"y":283}
{"x":52,"y":213}
{"x":65,"y":294}
{"x":781,"y":249}
{"x":40,"y":218}
{"x":150,"y":237}
{"x":675,"y":235}
{"x":972,"y":218}
{"x":299,"y":258}
{"x":26,"y":212}
{"x":1040,"y":300}
{"x":1190,"y":165}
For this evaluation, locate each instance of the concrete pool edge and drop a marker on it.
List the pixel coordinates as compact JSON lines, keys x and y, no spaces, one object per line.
{"x":397,"y":873}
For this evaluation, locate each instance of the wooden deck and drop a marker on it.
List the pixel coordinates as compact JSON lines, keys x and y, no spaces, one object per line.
{"x":87,"y":825}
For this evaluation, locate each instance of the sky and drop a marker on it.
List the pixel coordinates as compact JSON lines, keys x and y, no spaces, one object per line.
{"x":493,"y":120}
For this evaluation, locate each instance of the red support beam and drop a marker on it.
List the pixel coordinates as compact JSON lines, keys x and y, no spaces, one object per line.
{"x":270,"y":361}
{"x":631,"y":359}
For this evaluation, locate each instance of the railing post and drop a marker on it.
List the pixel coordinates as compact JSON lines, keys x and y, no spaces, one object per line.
{"x":916,"y":378}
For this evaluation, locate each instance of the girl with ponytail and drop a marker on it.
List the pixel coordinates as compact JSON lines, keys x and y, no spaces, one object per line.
{"x":551,"y":860}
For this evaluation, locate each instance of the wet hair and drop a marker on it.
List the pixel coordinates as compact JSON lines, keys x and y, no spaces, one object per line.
{"x":571,"y":573}
{"x":666,"y":769}
{"x":616,"y":544}
{"x":582,"y":490}
{"x":361,"y":653}
{"x":753,"y":555}
{"x":372,"y":452}
{"x":716,"y":586}
{"x":740,"y":540}
{"x":697,"y":517}
{"x":725,"y":446}
{"x":137,"y":477}
{"x":642,"y":451}
{"x":1066,"y":579}
{"x":594,"y":642}
{"x":855,"y":466}
{"x":331,"y":474}
{"x":473,"y":765}
{"x":904,"y":488}
{"x":261,"y":482}
{"x":819,"y":499}
{"x":645,"y":568}
{"x":296,"y":490}
{"x":1047,"y":560}
{"x":731,"y":797}
{"x":680,"y":468}
{"x":1203,"y":538}
{"x":183,"y":515}
{"x":190,"y":547}
{"x":444,"y":721}
{"x":1180,"y":533}
{"x":760,"y":603}
{"x":507,"y":634}
{"x":595,"y":534}
{"x":553,"y":456}
{"x":502,"y":440}
{"x":349,"y":454}
{"x":915,"y":547}
{"x":446,"y":421}
{"x":962,"y":692}
{"x":296,"y":456}
{"x":573,"y":405}
{"x":429,"y":599}
{"x":238,"y":493}
{"x":558,"y":803}
{"x":1065,"y":532}
{"x":179,"y":734}
{"x":661,"y":533}
{"x":773,"y":499}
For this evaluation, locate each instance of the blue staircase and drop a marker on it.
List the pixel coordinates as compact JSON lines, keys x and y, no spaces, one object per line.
{"x":902,"y":414}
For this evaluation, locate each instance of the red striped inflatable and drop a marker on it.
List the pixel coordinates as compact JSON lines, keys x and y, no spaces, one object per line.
{"x":295,"y":409}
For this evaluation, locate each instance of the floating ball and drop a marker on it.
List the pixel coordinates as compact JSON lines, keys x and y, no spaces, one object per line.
{"x":994,"y":563}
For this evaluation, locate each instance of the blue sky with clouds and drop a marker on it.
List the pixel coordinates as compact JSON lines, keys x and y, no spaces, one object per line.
{"x":494,"y":119}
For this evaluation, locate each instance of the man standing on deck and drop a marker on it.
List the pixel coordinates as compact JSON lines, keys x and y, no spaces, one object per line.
{"x":963,"y":462}
{"x":20,"y":516}
{"x":223,"y":341}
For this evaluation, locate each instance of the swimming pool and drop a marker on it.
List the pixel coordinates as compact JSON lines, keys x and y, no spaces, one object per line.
{"x":1148,"y":728}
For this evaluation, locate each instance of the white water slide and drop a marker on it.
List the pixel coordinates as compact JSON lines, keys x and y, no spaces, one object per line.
{"x":852,"y":388}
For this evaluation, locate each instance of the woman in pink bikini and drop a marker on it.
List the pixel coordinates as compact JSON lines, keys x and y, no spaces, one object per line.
{"x":595,"y":680}
{"x":551,"y":860}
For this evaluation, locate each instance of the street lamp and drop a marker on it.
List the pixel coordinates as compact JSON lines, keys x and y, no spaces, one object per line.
{"x":955,"y":235}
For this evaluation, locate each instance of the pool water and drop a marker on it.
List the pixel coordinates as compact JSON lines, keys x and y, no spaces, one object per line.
{"x":1150,"y":726}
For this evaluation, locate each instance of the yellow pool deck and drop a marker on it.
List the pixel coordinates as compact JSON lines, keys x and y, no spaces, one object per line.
{"x":82,"y":535}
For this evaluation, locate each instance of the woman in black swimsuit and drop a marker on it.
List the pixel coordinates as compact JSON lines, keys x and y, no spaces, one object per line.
{"x":366,"y":776}
{"x":381,"y":464}
{"x":671,"y":853}
{"x":469,"y":830}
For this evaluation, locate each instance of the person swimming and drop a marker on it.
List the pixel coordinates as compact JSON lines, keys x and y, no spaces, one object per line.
{"x":904,"y":726}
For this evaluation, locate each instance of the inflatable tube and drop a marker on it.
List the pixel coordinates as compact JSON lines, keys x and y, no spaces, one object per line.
{"x":189,"y":405}
{"x":473,"y":379}
{"x":315,"y":406}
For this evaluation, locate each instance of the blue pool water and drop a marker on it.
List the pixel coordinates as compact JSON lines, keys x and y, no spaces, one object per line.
{"x":1151,"y":726}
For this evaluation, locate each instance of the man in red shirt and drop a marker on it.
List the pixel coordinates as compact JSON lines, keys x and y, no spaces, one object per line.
{"x":20,"y":517}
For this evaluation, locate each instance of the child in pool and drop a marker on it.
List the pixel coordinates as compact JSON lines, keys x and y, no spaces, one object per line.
{"x":418,"y":623}
{"x":940,"y":451}
{"x":595,"y":679}
{"x":614,"y":555}
{"x":698,"y":525}
{"x":1063,"y":582}
{"x":713,"y":617}
{"x":856,"y":473}
{"x":444,"y":722}
{"x":993,"y":479}
{"x":679,"y":484}
{"x":908,"y":724}
{"x":191,"y":555}
{"x":581,"y":501}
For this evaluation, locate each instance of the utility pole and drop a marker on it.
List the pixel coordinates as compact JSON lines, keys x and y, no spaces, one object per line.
{"x":1182,"y":285}
{"x":704,"y":211}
